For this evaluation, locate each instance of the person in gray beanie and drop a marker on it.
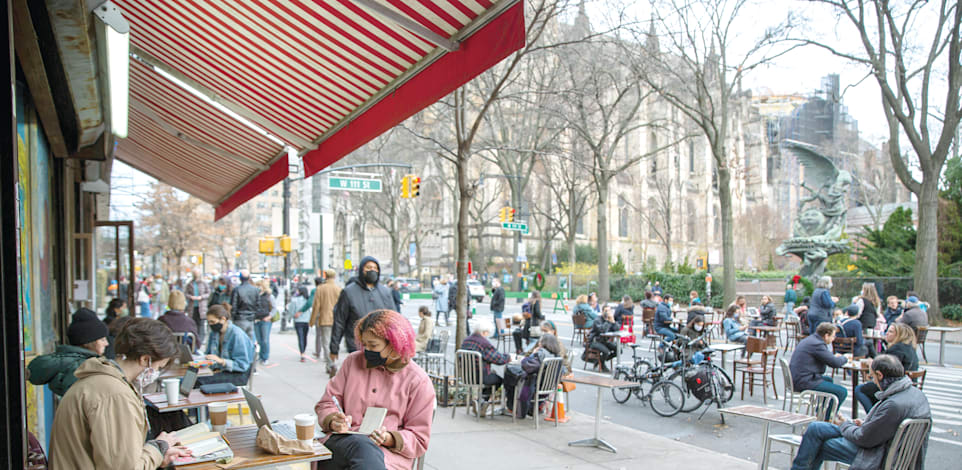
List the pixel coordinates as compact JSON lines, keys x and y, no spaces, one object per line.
{"x":87,"y":336}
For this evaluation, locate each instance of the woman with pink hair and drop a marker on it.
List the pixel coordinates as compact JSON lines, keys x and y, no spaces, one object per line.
{"x":380,"y":375}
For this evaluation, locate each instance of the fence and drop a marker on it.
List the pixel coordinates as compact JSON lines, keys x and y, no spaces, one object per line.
{"x":950,"y":288}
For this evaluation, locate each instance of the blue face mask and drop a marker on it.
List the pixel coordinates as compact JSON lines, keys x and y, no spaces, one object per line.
{"x":374,"y":358}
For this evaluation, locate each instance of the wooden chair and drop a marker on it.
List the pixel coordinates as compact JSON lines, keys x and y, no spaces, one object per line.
{"x":793,"y":334}
{"x":920,"y":335}
{"x":753,"y":345}
{"x":504,"y":334}
{"x":843,"y":346}
{"x":591,"y":355}
{"x":648,"y":318}
{"x":764,"y":370}
{"x":579,"y":320}
{"x":917,"y":376}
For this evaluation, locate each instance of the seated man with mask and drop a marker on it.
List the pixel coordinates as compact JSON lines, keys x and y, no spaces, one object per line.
{"x":864,"y":444}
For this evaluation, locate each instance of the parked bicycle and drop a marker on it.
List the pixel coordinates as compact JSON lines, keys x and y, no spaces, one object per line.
{"x":702,"y":380}
{"x":665,"y":397}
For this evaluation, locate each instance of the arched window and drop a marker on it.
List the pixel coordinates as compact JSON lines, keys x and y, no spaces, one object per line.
{"x":622,"y":217}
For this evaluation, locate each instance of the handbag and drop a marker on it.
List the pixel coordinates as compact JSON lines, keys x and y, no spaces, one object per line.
{"x":567,"y":386}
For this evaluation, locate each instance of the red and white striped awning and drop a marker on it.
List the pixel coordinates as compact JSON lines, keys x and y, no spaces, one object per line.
{"x":322,"y":77}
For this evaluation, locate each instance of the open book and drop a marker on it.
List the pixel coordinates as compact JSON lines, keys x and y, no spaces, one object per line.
{"x":373,"y":419}
{"x":205,"y":445}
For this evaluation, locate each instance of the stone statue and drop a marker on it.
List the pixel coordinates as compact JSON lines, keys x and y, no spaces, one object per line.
{"x":817,"y":232}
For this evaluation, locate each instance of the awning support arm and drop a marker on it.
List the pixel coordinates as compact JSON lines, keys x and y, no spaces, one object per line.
{"x":409,"y":24}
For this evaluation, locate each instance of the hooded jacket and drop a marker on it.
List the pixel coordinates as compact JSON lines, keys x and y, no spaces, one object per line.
{"x":355,"y":301}
{"x":56,"y":370}
{"x":898,"y":402}
{"x":101,"y":423}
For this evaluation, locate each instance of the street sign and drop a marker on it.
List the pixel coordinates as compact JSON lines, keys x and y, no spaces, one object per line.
{"x":370,"y":185}
{"x":516,"y":226}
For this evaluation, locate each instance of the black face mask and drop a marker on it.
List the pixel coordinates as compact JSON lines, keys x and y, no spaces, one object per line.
{"x":216,"y":327}
{"x":374,"y":358}
{"x":371,"y":277}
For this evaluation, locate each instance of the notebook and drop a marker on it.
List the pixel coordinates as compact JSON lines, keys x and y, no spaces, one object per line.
{"x":373,"y":419}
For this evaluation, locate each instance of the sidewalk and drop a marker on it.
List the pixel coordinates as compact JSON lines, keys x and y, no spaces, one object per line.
{"x":289,"y":387}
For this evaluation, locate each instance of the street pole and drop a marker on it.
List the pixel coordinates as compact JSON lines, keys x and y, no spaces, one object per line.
{"x":286,"y":222}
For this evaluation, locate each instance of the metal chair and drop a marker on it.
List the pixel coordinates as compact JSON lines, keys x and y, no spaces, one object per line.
{"x":188,"y":338}
{"x":790,"y":394}
{"x":419,"y":462}
{"x":436,"y":361}
{"x":920,"y":335}
{"x":469,"y":375}
{"x":549,"y":375}
{"x":821,"y":405}
{"x":906,"y":445}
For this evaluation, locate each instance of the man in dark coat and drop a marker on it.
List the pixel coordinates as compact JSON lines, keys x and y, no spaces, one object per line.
{"x":863,"y":444}
{"x":243,"y":303}
{"x":497,"y":304}
{"x":361,"y":295}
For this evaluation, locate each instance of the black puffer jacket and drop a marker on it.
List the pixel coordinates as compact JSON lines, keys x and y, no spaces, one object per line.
{"x":356,"y":301}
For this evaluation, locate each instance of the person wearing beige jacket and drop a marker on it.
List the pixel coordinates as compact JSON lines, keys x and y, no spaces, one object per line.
{"x":322,"y":316}
{"x":101,"y":422}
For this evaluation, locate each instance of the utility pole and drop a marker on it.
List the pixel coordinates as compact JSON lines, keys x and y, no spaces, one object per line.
{"x":286,"y":222}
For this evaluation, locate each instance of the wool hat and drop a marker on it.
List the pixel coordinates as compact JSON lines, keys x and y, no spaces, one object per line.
{"x":851,"y":310}
{"x":912,"y":299}
{"x":177,"y":301}
{"x":85,"y":328}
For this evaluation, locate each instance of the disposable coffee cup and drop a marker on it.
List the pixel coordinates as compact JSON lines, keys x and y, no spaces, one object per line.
{"x":172,"y":387}
{"x":218,"y":415}
{"x":305,"y":426}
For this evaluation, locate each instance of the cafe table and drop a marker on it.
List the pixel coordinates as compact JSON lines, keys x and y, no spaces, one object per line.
{"x":600,"y":383}
{"x":196,"y":399}
{"x":942,"y":330}
{"x":725,"y":348}
{"x":247,"y":456}
{"x":855,"y":369}
{"x":767,"y":416}
{"x":616,"y":336}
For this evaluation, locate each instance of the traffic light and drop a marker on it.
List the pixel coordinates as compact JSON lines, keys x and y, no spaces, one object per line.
{"x":406,"y":187}
{"x":510,"y":214}
{"x":503,"y":214}
{"x":415,"y":186}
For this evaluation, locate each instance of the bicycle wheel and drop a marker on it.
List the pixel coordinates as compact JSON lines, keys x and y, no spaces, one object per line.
{"x":691,"y":403}
{"x":723,"y":383}
{"x":641,"y":371}
{"x":666,"y":398}
{"x":621,"y":395}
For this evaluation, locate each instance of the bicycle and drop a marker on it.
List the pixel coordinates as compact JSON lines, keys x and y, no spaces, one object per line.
{"x":664,"y":397}
{"x":717,"y":387}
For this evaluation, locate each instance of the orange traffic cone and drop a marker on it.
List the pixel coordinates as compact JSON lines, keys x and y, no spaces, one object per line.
{"x":558,"y":414}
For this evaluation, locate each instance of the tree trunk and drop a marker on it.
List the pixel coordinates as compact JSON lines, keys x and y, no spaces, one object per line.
{"x":395,"y":259}
{"x":728,"y":241}
{"x":927,"y":247}
{"x":464,"y":202}
{"x":516,"y":237}
{"x":604,"y":289}
{"x":572,"y":230}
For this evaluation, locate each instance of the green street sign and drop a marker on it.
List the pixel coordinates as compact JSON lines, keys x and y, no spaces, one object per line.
{"x":354,"y":184}
{"x":516,"y":226}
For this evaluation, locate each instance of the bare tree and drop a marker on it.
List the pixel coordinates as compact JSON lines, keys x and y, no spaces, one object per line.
{"x":908,"y":47}
{"x":699,"y":72}
{"x":168,"y":222}
{"x":568,"y":184}
{"x":662,"y":209}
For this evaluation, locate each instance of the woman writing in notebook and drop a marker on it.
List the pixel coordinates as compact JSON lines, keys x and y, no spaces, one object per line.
{"x":381,"y":375}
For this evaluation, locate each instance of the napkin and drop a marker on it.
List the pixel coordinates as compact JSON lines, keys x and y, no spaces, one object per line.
{"x":273,"y":443}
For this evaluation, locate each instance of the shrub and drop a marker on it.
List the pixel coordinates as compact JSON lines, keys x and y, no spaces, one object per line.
{"x":952,"y":312}
{"x":678,"y":285}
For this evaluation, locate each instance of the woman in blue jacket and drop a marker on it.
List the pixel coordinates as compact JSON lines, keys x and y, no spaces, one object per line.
{"x":229,"y":348}
{"x":822,"y":304}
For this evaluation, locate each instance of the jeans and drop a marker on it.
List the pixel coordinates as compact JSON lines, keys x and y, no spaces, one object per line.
{"x":437,"y":317}
{"x":262,"y":329}
{"x":823,"y":441}
{"x":497,"y":316}
{"x":352,"y":452}
{"x":322,"y":336}
{"x":668,"y":333}
{"x":789,"y":309}
{"x":302,"y":328}
{"x":145,"y":310}
{"x":865,"y":394}
{"x":828,"y":386}
{"x":247,"y":326}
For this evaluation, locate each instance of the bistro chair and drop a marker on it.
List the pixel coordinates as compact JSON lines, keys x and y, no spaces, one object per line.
{"x":436,"y":362}
{"x":753,"y":345}
{"x":843,"y":346}
{"x":821,"y":405}
{"x":419,"y":462}
{"x":549,"y":376}
{"x":504,"y":333}
{"x":917,"y":376}
{"x":648,"y":318}
{"x":793,"y":332}
{"x":469,"y":375}
{"x":920,"y":335}
{"x":579,"y":320}
{"x":764,"y":370}
{"x":788,"y":400}
{"x":188,"y":338}
{"x":905,"y":447}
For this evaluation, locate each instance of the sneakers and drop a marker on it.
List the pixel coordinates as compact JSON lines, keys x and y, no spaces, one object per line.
{"x":265,"y":362}
{"x":303,"y":358}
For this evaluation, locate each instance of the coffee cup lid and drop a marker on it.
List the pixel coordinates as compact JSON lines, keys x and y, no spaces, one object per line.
{"x":217,"y":406}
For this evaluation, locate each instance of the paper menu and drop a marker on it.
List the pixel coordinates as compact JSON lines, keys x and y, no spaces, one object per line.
{"x":373,"y":419}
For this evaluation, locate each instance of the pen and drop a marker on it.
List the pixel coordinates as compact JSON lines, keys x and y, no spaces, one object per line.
{"x":337,"y":404}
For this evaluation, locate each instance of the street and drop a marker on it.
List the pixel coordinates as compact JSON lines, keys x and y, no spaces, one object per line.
{"x":288,"y":393}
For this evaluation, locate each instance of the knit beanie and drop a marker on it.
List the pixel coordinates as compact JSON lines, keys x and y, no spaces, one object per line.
{"x":177,"y":301}
{"x":85,"y":328}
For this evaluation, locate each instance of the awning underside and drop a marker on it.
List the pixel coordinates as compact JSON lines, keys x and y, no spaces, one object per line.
{"x":320,"y":77}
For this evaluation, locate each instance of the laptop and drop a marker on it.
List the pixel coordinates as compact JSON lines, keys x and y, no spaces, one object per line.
{"x":187,"y":383}
{"x":286,"y":430}
{"x":183,"y":353}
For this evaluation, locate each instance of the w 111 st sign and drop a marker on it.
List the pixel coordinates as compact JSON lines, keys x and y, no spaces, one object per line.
{"x":516,"y":226}
{"x":354,"y":184}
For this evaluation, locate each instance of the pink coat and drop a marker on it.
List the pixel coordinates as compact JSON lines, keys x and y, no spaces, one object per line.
{"x":407,"y":394}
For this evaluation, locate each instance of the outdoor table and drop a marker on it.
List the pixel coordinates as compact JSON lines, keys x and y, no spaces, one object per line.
{"x":768,"y":330}
{"x":942,"y":330}
{"x":180,"y":371}
{"x":856,"y":369}
{"x":196,"y":399}
{"x":767,"y":416}
{"x":875,"y":336}
{"x":243,"y":442}
{"x":600,"y":383}
{"x":724,"y":348}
